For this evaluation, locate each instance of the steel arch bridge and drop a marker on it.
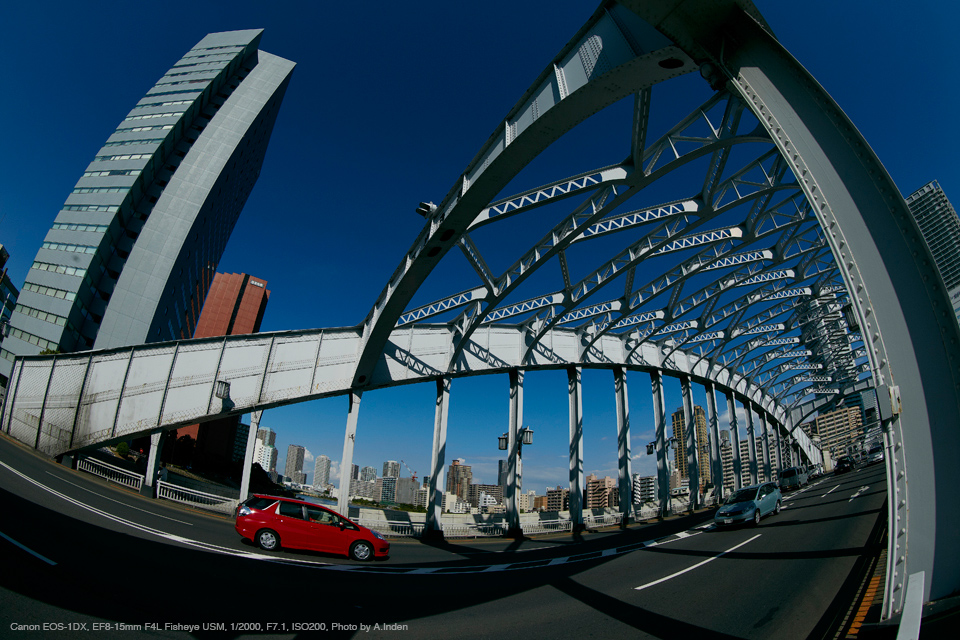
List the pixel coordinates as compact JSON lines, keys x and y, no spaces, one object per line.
{"x":755,"y":245}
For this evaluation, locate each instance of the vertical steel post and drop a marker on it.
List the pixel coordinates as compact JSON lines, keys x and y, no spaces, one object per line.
{"x":248,"y":455}
{"x":690,"y":445}
{"x":713,"y":428}
{"x":575,"y":397}
{"x":660,"y":421}
{"x":752,"y":443}
{"x":625,"y":492}
{"x":434,"y":529}
{"x":346,"y":461}
{"x":43,"y":406}
{"x":514,"y":469}
{"x":123,"y":386}
{"x":767,"y":471}
{"x":735,"y":437}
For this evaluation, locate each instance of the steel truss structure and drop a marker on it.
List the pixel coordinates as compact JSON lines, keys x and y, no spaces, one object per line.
{"x":739,"y":248}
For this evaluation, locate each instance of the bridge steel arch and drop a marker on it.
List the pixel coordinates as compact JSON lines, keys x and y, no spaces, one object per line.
{"x":755,"y":254}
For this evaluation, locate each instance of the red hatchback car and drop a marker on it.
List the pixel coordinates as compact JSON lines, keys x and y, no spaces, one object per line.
{"x":269,"y":521}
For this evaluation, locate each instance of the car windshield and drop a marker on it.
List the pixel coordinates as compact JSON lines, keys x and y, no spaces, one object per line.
{"x":876,"y":449}
{"x":744,"y":495}
{"x":789,"y":472}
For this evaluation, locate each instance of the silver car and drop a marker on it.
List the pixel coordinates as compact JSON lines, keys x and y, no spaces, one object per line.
{"x":793,"y":478}
{"x":749,"y":505}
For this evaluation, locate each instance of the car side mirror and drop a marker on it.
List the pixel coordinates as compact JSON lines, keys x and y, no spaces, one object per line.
{"x":343,"y":525}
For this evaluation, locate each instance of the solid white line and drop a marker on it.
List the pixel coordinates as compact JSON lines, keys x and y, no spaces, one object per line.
{"x":829,"y":492}
{"x":27,"y":549}
{"x":157,"y":532}
{"x":699,"y":564}
{"x":190,"y":524}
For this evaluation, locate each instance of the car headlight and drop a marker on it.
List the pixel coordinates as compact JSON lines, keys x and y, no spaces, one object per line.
{"x":377,"y":534}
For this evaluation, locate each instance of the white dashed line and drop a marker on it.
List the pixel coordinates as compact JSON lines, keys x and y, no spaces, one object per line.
{"x":699,"y":564}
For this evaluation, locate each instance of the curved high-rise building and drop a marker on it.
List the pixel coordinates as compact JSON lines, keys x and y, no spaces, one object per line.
{"x":132,"y":252}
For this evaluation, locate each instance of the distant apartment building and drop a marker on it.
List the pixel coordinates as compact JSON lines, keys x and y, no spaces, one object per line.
{"x":130,"y":255}
{"x":391,"y":469}
{"x":745,"y":460}
{"x":406,"y":492}
{"x":726,"y":461}
{"x":558,"y":499}
{"x":703,"y":450}
{"x":388,"y":489}
{"x":293,"y":469}
{"x":644,"y":489}
{"x":839,"y":429}
{"x":459,"y":479}
{"x":940,"y":228}
{"x":321,"y":472}
{"x":477,"y":491}
{"x":368,"y":474}
{"x":601,"y":492}
{"x":265,"y":455}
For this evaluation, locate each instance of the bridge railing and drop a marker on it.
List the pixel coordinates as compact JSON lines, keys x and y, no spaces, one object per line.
{"x":111,"y":472}
{"x":192,"y":497}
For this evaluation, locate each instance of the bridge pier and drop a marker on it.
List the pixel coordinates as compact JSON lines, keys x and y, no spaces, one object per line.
{"x":248,"y":456}
{"x":514,"y":460}
{"x":153,"y":462}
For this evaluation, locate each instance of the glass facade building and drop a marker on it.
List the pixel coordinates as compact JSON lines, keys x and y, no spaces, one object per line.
{"x":940,"y":227}
{"x":132,"y":253}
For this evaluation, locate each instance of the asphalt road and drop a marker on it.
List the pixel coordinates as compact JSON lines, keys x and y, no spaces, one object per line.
{"x":78,"y":551}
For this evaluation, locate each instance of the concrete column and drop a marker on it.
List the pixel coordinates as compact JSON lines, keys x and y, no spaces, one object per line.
{"x":660,"y":422}
{"x":153,"y":463}
{"x":248,"y":456}
{"x":752,"y":446}
{"x":575,"y":395}
{"x":691,"y":446}
{"x":623,"y":446}
{"x":434,"y":530}
{"x":735,"y":438}
{"x":514,"y":462}
{"x":346,"y":461}
{"x":713,"y":428}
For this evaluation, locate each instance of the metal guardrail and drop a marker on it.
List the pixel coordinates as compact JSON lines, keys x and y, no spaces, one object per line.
{"x":110,"y":472}
{"x":194,"y":498}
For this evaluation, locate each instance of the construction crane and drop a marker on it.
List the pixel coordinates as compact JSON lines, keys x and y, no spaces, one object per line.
{"x":412,"y":472}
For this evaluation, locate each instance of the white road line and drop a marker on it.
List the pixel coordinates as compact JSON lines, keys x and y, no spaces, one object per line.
{"x":831,"y":491}
{"x":699,"y":564}
{"x":27,"y":549}
{"x":189,"y":524}
{"x":859,"y":491}
{"x":161,"y":534}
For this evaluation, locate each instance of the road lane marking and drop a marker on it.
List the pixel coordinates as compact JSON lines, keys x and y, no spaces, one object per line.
{"x":859,"y":491}
{"x":157,"y":532}
{"x":831,"y":491}
{"x":699,"y":564}
{"x":189,"y":524}
{"x":27,"y":549}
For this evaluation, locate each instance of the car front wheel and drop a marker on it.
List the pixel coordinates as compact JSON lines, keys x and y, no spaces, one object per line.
{"x":361,"y":551}
{"x":268,"y":540}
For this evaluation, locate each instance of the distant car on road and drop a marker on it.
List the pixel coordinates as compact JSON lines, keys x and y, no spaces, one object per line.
{"x":843,"y":465}
{"x":875,"y":454}
{"x":269,"y":521}
{"x":794,"y":478}
{"x":749,"y":505}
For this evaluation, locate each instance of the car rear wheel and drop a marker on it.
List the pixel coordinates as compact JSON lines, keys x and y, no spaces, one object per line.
{"x":776,"y":509}
{"x":361,"y":550}
{"x":268,"y":540}
{"x":756,"y":517}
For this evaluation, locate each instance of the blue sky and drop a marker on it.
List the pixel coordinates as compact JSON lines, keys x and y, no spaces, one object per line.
{"x":388,"y":104}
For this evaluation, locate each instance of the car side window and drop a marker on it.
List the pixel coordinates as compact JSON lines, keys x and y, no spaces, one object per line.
{"x":321,"y":516}
{"x":291,"y":510}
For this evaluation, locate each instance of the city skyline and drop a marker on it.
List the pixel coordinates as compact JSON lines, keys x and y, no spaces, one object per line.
{"x":314,"y":211}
